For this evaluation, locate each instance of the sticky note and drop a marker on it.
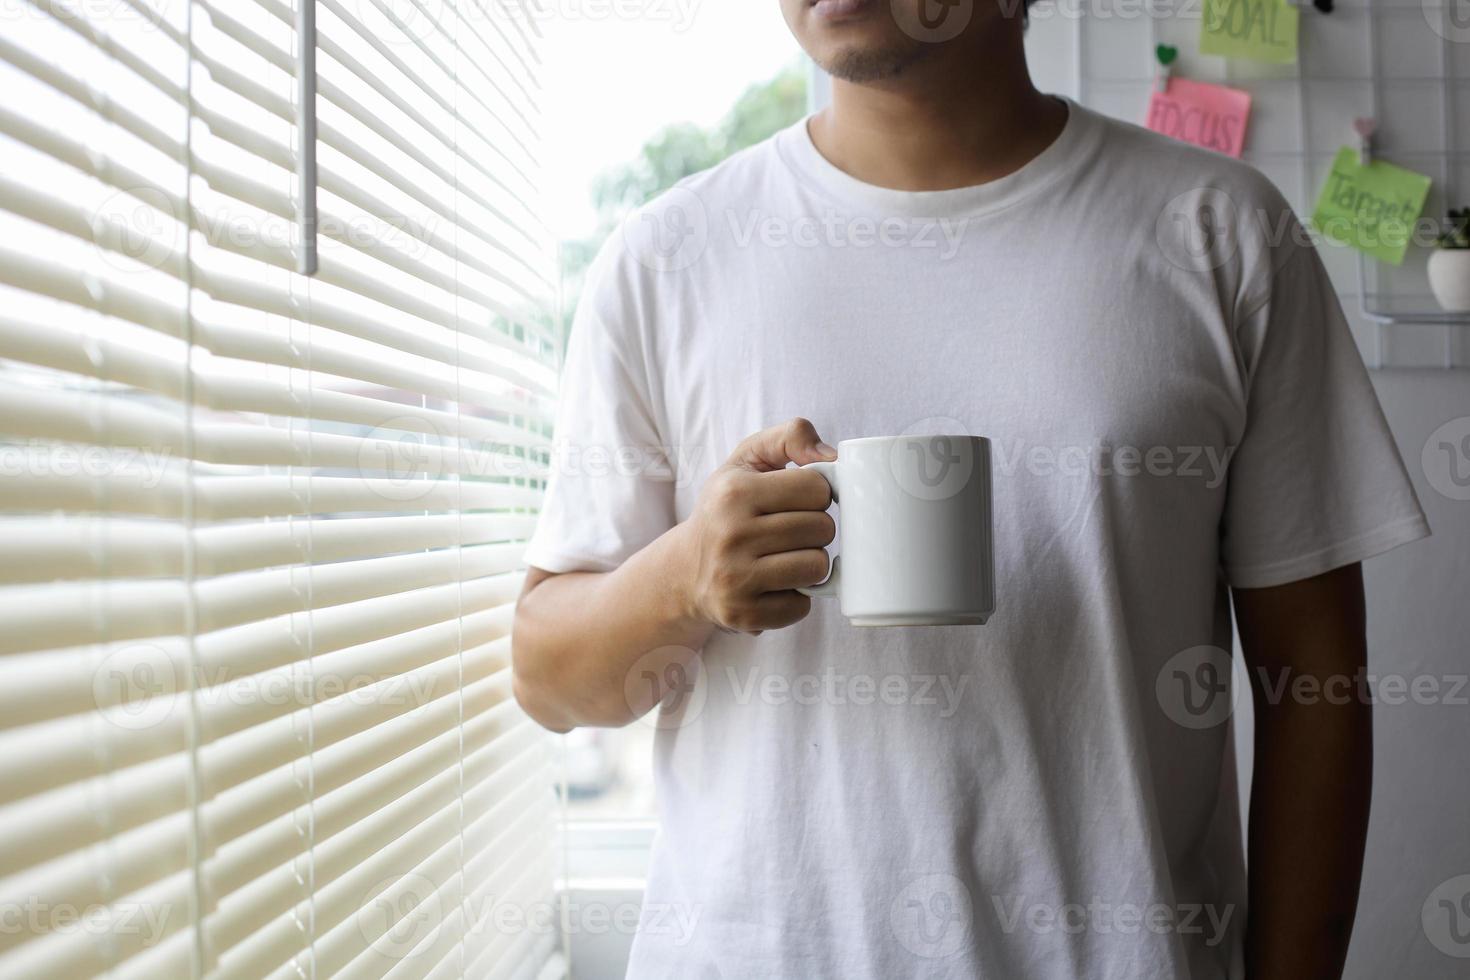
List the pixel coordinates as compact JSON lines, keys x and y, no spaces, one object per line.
{"x":1373,"y":208}
{"x":1261,"y":30}
{"x":1212,"y":116}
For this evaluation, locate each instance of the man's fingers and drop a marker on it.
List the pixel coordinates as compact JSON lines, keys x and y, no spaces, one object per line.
{"x":791,"y":531}
{"x":787,"y":490}
{"x":791,"y":569}
{"x":775,"y":610}
{"x":795,"y":441}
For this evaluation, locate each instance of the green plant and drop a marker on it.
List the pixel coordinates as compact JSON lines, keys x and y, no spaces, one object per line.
{"x":1457,"y":229}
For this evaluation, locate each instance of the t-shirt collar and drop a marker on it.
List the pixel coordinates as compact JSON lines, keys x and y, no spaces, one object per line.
{"x":1065,"y":154}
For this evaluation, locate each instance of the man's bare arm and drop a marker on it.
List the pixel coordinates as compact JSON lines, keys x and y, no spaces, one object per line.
{"x":1304,"y":646}
{"x":756,"y":534}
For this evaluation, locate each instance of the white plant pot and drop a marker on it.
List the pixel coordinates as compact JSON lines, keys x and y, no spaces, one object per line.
{"x":1449,"y":278}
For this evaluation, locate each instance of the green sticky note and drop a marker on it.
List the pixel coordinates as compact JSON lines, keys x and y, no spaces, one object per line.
{"x":1373,"y":208}
{"x":1261,"y":30}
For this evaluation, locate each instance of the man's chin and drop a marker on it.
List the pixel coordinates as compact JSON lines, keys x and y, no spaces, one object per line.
{"x":862,"y":65}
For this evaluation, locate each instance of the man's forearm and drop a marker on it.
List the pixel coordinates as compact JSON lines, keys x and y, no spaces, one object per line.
{"x":578,"y":635}
{"x":599,"y":649}
{"x":1312,"y":782}
{"x":1308,"y":819}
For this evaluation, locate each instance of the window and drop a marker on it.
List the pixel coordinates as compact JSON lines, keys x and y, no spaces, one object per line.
{"x":261,"y":532}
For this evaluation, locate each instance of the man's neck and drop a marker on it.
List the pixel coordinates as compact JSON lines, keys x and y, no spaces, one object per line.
{"x":923,"y":132}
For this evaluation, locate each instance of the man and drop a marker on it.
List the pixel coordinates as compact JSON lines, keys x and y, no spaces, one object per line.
{"x":1179,"y":419}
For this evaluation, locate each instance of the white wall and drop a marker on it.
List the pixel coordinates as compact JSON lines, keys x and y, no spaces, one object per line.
{"x":1418,"y":626}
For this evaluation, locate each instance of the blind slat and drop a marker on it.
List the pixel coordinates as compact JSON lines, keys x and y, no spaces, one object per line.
{"x":259,"y":558}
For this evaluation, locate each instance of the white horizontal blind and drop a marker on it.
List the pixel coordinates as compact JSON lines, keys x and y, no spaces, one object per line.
{"x":260,"y":533}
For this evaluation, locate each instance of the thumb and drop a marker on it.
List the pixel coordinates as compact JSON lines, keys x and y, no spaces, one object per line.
{"x":795,"y":441}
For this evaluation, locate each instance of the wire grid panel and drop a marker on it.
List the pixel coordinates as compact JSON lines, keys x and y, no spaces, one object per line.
{"x":1405,"y":63}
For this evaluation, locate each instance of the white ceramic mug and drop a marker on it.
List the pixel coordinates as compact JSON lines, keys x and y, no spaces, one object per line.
{"x":915,"y":544}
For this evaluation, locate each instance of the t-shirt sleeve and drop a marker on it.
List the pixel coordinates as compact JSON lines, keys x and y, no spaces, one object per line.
{"x":1316,"y":481}
{"x":611,"y":489}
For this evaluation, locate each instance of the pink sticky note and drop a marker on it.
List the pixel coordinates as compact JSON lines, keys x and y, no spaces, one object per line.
{"x":1212,"y":116}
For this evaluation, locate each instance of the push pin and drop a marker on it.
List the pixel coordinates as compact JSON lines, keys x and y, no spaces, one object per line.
{"x":1365,"y":126}
{"x":1166,"y":53}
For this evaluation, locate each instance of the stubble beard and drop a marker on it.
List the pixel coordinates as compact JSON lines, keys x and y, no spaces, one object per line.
{"x":863,"y":66}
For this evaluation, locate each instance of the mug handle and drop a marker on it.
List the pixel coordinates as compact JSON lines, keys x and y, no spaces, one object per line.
{"x":829,"y":589}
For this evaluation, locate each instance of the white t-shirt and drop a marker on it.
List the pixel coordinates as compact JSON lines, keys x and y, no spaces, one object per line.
{"x":1176,"y":406}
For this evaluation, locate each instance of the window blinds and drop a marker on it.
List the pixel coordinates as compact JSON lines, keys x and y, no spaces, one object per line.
{"x":260,"y":533}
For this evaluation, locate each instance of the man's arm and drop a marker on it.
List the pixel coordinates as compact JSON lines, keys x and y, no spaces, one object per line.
{"x":1313,"y":772}
{"x":756,"y":534}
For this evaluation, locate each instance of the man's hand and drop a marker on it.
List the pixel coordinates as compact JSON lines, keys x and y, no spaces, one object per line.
{"x":757,"y":532}
{"x":756,"y":535}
